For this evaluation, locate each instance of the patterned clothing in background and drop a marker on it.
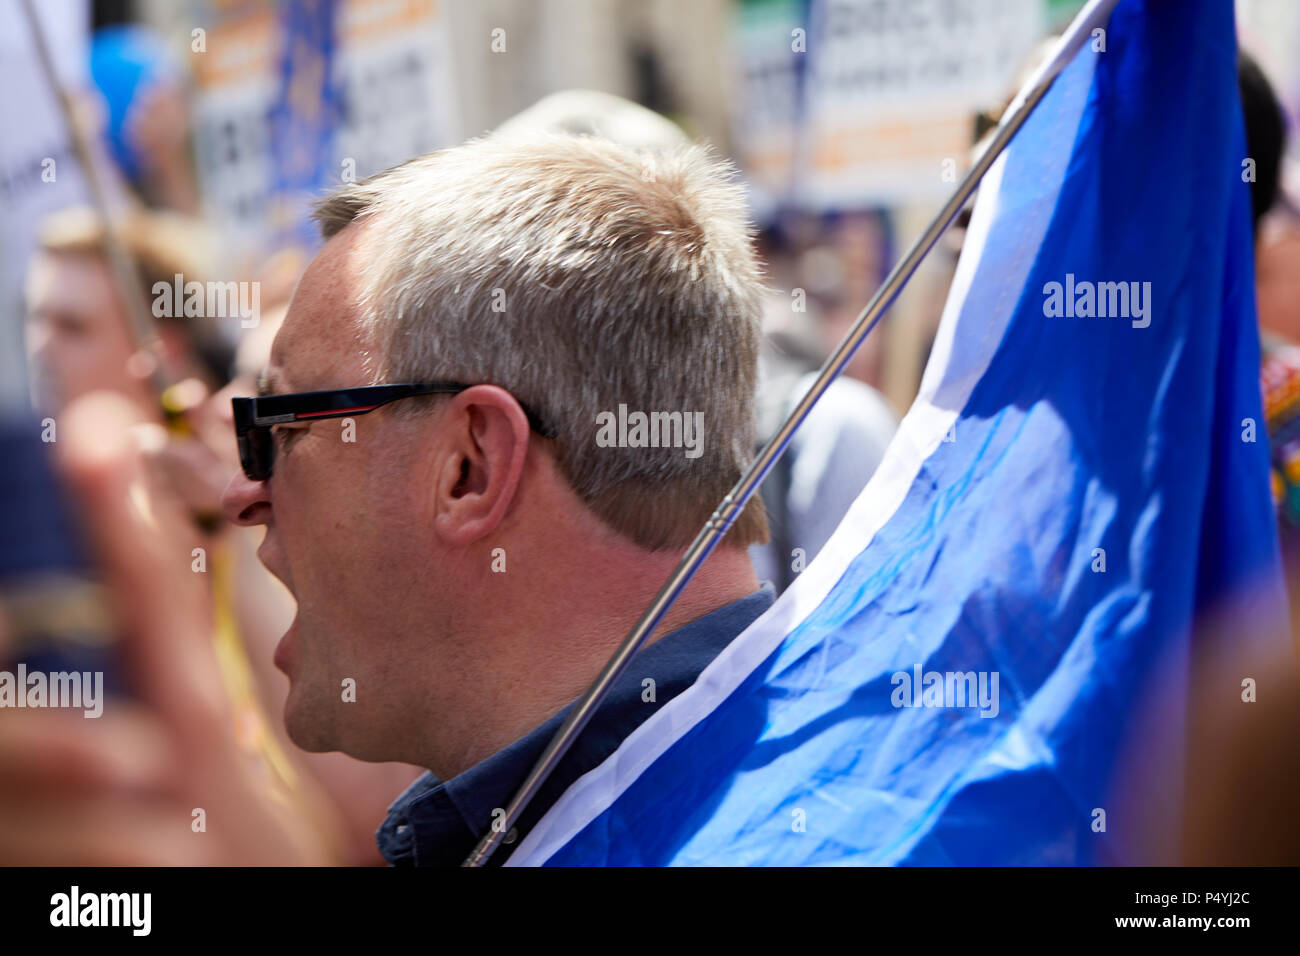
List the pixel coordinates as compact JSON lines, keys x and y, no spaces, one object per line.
{"x":1280,"y":382}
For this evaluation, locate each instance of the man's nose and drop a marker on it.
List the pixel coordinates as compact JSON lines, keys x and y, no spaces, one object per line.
{"x":246,"y":502}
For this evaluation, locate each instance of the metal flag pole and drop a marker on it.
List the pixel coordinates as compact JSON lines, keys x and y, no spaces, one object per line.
{"x":1092,"y":17}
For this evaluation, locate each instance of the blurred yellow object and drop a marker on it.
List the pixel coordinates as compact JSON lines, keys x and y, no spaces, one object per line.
{"x":251,"y":727}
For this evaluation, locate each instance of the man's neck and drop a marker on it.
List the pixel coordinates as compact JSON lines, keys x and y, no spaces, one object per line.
{"x":550,"y":645}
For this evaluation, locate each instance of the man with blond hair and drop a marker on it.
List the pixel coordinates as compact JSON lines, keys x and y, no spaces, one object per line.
{"x":509,"y":390}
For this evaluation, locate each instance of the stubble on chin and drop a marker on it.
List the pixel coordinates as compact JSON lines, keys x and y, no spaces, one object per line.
{"x":307,"y":724}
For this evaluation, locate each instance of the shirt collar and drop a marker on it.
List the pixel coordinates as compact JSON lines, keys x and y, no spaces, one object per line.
{"x":437,"y":823}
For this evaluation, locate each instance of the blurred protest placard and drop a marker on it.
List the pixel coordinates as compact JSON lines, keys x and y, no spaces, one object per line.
{"x":891,"y":88}
{"x":234,"y":68}
{"x":295,"y":99}
{"x":394,"y":70}
{"x":853,"y":103}
{"x":767,"y":47}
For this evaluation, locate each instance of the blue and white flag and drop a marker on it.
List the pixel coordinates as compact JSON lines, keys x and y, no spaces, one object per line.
{"x":1082,"y":481}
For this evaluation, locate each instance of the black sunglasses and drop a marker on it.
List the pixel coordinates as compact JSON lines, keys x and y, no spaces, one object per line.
{"x":255,"y":416}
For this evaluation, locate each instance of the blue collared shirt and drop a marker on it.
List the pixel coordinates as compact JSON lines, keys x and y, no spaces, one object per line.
{"x":438,"y":824}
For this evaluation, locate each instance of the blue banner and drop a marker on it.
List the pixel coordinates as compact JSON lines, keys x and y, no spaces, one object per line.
{"x":1080,"y":486}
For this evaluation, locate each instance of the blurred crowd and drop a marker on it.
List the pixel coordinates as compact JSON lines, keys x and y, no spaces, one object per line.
{"x":168,"y":425}
{"x":206,"y":706}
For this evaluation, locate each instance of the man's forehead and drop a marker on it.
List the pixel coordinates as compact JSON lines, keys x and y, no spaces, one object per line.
{"x":320,"y":338}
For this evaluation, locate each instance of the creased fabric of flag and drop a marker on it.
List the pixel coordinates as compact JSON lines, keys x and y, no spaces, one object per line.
{"x":1076,"y":486}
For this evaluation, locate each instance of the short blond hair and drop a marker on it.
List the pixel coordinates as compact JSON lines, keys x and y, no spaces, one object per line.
{"x":580,"y":275}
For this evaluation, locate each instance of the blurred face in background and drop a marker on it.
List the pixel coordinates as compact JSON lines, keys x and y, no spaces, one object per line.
{"x":1277,"y":271}
{"x":77,"y":338}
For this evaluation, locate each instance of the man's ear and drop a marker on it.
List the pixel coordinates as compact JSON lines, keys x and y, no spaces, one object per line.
{"x":481,"y":463}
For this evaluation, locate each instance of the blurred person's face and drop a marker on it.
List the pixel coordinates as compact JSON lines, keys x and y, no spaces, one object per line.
{"x":77,"y":337}
{"x":866,"y":361}
{"x":347,"y":532}
{"x":1278,"y":281}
